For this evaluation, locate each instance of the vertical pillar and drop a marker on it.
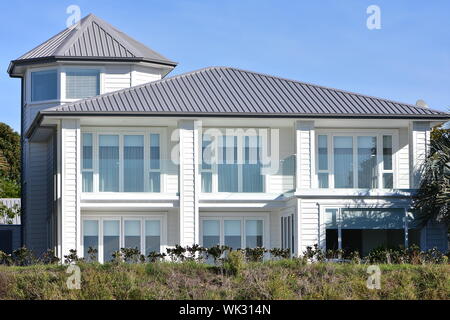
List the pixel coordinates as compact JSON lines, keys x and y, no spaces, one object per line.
{"x":419,"y":146}
{"x":70,"y":186}
{"x":304,"y":137}
{"x":189,"y":182}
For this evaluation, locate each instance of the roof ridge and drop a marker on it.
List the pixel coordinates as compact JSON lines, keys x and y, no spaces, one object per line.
{"x":80,"y":27}
{"x":331,"y":88}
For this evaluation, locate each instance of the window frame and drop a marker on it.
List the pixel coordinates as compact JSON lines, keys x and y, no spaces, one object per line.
{"x":121,"y":132}
{"x":242,"y":218}
{"x":162,"y":218}
{"x":378,"y":133}
{"x":28,"y":94}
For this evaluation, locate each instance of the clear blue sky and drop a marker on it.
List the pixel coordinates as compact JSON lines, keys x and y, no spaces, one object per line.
{"x":323,"y":42}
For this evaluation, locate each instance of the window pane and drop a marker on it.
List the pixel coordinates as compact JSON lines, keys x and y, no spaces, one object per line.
{"x":82,"y":84}
{"x":343,"y":162}
{"x":387,"y":152}
{"x":323,"y":152}
{"x":90,"y":237}
{"x":254,"y":233}
{"x":251,"y":169}
{"x":155,"y":182}
{"x":155,"y":152}
{"x":111,"y":238}
{"x":228,"y":167}
{"x":211,"y":233}
{"x":206,"y":182}
{"x":133,"y":234}
{"x":367,"y":162}
{"x":133,"y":155}
{"x":109,"y":163}
{"x":206,"y":152}
{"x":87,"y":182}
{"x":152,"y":236}
{"x":388,"y":180}
{"x":323,"y":180}
{"x":87,"y":150}
{"x":233,"y":233}
{"x":44,"y":85}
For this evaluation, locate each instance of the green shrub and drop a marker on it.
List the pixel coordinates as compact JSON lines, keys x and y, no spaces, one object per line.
{"x":234,"y":262}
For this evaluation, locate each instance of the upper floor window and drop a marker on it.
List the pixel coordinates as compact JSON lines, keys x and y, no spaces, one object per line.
{"x":128,"y":162}
{"x":44,"y":85}
{"x":361,"y":161}
{"x":82,"y":83}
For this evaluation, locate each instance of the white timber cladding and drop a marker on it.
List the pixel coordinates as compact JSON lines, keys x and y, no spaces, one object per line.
{"x":419,"y":146}
{"x":304,"y":134}
{"x":189,"y":180}
{"x":71,"y":186}
{"x":141,"y":75}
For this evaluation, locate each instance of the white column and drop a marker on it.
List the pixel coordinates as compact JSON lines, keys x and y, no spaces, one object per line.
{"x":70,"y":185}
{"x":419,"y":146}
{"x":304,"y":135}
{"x":189,"y":182}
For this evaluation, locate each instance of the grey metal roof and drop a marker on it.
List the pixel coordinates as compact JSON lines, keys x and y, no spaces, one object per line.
{"x":230,"y":91}
{"x":93,"y":37}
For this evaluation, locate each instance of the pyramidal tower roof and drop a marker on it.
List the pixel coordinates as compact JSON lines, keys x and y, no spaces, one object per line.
{"x":91,"y":39}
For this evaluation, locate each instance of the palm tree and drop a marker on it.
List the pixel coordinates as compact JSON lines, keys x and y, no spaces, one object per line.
{"x":432,"y":202}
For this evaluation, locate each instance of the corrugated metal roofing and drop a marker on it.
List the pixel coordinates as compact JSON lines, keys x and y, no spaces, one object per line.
{"x":93,"y":37}
{"x":230,"y":91}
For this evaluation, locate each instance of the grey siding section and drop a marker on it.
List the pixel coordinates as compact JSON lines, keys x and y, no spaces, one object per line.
{"x":15,"y":234}
{"x":436,"y":236}
{"x":230,"y":91}
{"x":36,"y":201}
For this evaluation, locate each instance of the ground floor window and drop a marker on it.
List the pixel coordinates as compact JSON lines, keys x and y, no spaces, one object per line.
{"x":363,"y":230}
{"x":109,"y":234}
{"x":234,"y":232}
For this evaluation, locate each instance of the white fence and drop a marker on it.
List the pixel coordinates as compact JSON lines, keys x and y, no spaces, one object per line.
{"x":10,"y":203}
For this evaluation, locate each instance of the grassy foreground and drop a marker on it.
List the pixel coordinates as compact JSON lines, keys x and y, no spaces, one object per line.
{"x":285,"y":279}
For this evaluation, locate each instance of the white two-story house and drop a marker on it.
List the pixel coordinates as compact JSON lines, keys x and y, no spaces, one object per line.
{"x":118,"y":154}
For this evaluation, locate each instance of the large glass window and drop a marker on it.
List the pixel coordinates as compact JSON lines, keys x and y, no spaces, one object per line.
{"x":232,"y":233}
{"x":355,"y":161}
{"x":251,"y":169}
{"x":132,"y":234}
{"x":90,"y":237}
{"x":206,"y":167}
{"x":228,"y":173}
{"x":367,"y":162}
{"x":108,"y":163}
{"x":133,"y":171}
{"x":111,"y":238}
{"x":152,"y":236}
{"x":253,"y":233}
{"x":155,"y":163}
{"x":44,"y":85}
{"x":343,"y":162}
{"x":82,"y":83}
{"x":211,"y":233}
{"x":87,"y":162}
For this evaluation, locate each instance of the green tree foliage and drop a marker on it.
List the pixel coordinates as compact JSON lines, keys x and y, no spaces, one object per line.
{"x":432,"y":201}
{"x":9,"y":162}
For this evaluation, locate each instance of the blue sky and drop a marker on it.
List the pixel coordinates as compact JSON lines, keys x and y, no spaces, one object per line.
{"x":323,"y":41}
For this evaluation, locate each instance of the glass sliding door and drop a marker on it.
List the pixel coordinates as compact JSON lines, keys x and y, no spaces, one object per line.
{"x":132,"y":234}
{"x":133,"y":166}
{"x":155,"y":163}
{"x":108,"y":163}
{"x":228,"y":173}
{"x":152,"y":236}
{"x":87,"y":162}
{"x":367,"y":162}
{"x":253,"y":233}
{"x":252,"y":179}
{"x":343,"y":162}
{"x":232,"y":234}
{"x":111,"y":238}
{"x":211,"y":233}
{"x":388,"y":175}
{"x":90,"y":238}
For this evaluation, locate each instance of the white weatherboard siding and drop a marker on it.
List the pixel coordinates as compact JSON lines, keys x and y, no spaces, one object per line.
{"x":70,"y":213}
{"x":116,"y":78}
{"x":403,"y":160}
{"x":188,"y":182}
{"x":420,"y":144}
{"x":141,"y":75}
{"x":304,"y":151}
